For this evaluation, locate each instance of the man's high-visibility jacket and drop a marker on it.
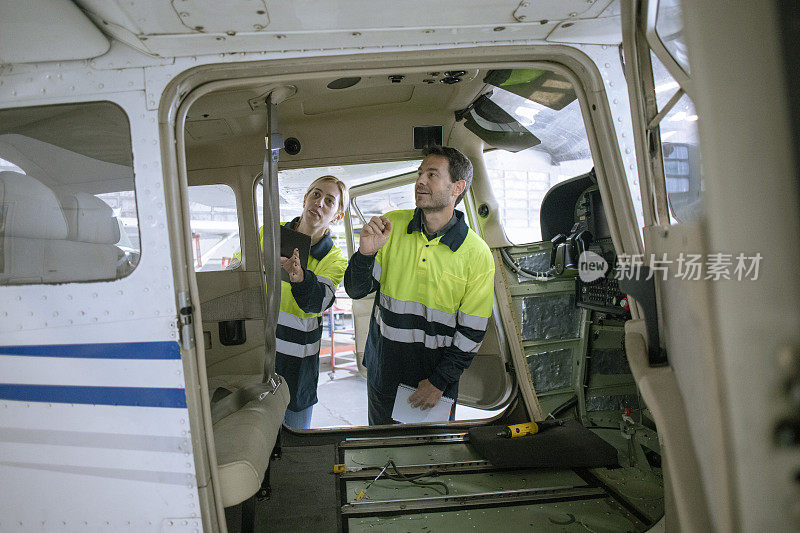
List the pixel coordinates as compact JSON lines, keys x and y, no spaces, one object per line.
{"x":433,"y":303}
{"x":299,"y":328}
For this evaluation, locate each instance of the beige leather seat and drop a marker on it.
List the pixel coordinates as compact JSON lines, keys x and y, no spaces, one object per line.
{"x":32,"y":222}
{"x":89,"y":251}
{"x":244,"y":440}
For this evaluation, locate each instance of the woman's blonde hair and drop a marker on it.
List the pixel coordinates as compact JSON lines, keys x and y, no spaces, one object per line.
{"x":344,"y":196}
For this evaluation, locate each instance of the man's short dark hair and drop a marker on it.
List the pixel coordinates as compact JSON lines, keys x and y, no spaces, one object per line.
{"x":460,"y":167}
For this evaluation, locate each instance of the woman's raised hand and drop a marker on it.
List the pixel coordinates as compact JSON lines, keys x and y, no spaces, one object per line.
{"x":374,"y":235}
{"x":292,"y":266}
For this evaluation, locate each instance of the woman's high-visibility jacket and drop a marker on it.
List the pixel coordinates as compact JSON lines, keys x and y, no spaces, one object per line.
{"x":433,"y":303}
{"x":299,"y":327}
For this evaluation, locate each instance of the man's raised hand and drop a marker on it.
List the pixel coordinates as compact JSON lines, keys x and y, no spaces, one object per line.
{"x":374,"y":235}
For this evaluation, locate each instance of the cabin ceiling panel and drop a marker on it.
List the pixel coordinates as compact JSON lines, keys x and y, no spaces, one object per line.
{"x":196,"y":27}
{"x":208,"y":43}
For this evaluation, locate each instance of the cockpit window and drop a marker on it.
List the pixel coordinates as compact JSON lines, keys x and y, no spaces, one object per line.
{"x":521,"y":178}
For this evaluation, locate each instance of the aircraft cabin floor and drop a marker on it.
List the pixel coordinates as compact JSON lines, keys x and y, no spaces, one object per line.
{"x":306,"y":495}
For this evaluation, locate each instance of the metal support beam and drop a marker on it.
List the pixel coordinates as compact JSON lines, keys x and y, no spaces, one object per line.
{"x":431,"y":469}
{"x":271,"y":239}
{"x":410,"y":440}
{"x":466,"y":501}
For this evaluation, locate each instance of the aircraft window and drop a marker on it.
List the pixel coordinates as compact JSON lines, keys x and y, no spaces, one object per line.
{"x":379,"y":203}
{"x":67,"y":206}
{"x":520,"y":180}
{"x":215,"y":226}
{"x":669,"y":27}
{"x":680,"y":148}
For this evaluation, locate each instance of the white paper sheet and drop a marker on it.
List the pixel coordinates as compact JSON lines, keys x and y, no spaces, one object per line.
{"x":403,"y":412}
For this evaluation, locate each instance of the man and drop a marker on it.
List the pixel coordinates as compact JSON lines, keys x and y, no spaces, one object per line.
{"x":434,"y":281}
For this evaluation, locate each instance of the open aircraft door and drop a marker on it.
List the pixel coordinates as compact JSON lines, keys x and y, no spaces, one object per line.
{"x":705,"y":237}
{"x":487,"y":383}
{"x":95,"y":426}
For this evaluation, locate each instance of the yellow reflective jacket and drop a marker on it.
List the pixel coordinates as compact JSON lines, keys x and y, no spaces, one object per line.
{"x":433,"y":303}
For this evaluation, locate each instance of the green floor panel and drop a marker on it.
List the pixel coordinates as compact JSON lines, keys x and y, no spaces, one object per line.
{"x":460,"y":484}
{"x":410,"y":455}
{"x":642,"y":490}
{"x":585,"y":515}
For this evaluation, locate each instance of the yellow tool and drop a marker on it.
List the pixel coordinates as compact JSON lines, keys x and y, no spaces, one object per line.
{"x":528,"y":428}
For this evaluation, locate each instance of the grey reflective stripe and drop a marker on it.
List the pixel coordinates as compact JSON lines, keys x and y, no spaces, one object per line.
{"x":464,"y":344}
{"x":376,"y":271}
{"x":328,"y":298}
{"x":415,"y":308}
{"x":296,"y":350}
{"x":414,"y":335}
{"x":295,"y":322}
{"x":326,"y":281}
{"x":472,"y":321}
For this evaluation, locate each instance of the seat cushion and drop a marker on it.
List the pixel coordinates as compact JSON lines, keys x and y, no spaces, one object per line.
{"x":244,"y":440}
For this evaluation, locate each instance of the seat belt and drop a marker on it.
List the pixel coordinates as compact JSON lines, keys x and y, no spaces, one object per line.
{"x":271,"y":281}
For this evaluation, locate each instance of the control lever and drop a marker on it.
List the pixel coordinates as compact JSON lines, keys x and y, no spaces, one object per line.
{"x":559,"y":261}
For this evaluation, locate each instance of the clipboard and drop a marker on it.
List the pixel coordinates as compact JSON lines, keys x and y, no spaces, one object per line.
{"x":290,"y":240}
{"x":405,"y":414}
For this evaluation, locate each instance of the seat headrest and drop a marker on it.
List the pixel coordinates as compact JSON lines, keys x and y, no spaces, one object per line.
{"x":29,"y":208}
{"x":90,"y":219}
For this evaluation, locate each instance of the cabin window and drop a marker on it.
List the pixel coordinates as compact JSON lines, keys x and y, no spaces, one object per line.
{"x":378,"y":203}
{"x":215,"y":227}
{"x":67,"y":201}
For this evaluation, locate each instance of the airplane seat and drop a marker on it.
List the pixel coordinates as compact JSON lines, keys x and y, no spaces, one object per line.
{"x":31,"y":222}
{"x":89,"y":251}
{"x":244,"y":439}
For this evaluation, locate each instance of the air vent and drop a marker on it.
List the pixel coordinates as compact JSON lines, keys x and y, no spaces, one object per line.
{"x":343,"y":83}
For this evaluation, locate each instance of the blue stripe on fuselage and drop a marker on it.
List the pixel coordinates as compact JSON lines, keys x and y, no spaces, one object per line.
{"x":122,"y":350}
{"x":130,"y":396}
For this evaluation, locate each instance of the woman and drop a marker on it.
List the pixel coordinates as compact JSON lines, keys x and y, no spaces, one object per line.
{"x":307,"y":294}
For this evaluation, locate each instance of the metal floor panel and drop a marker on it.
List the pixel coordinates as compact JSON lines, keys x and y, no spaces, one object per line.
{"x":598,"y":515}
{"x":410,"y":455}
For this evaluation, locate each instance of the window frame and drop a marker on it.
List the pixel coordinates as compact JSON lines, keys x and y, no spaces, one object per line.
{"x":640,"y":38}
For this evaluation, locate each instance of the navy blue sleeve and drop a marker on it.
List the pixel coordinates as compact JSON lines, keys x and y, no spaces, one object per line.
{"x":358,"y":279}
{"x":311,"y":294}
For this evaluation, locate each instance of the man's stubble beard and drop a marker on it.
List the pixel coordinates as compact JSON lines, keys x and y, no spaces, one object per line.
{"x":437,"y":202}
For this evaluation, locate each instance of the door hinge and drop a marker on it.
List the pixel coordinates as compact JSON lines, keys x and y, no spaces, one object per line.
{"x":185,"y":323}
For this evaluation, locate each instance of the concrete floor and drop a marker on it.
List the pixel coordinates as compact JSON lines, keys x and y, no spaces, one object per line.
{"x":343,"y":394}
